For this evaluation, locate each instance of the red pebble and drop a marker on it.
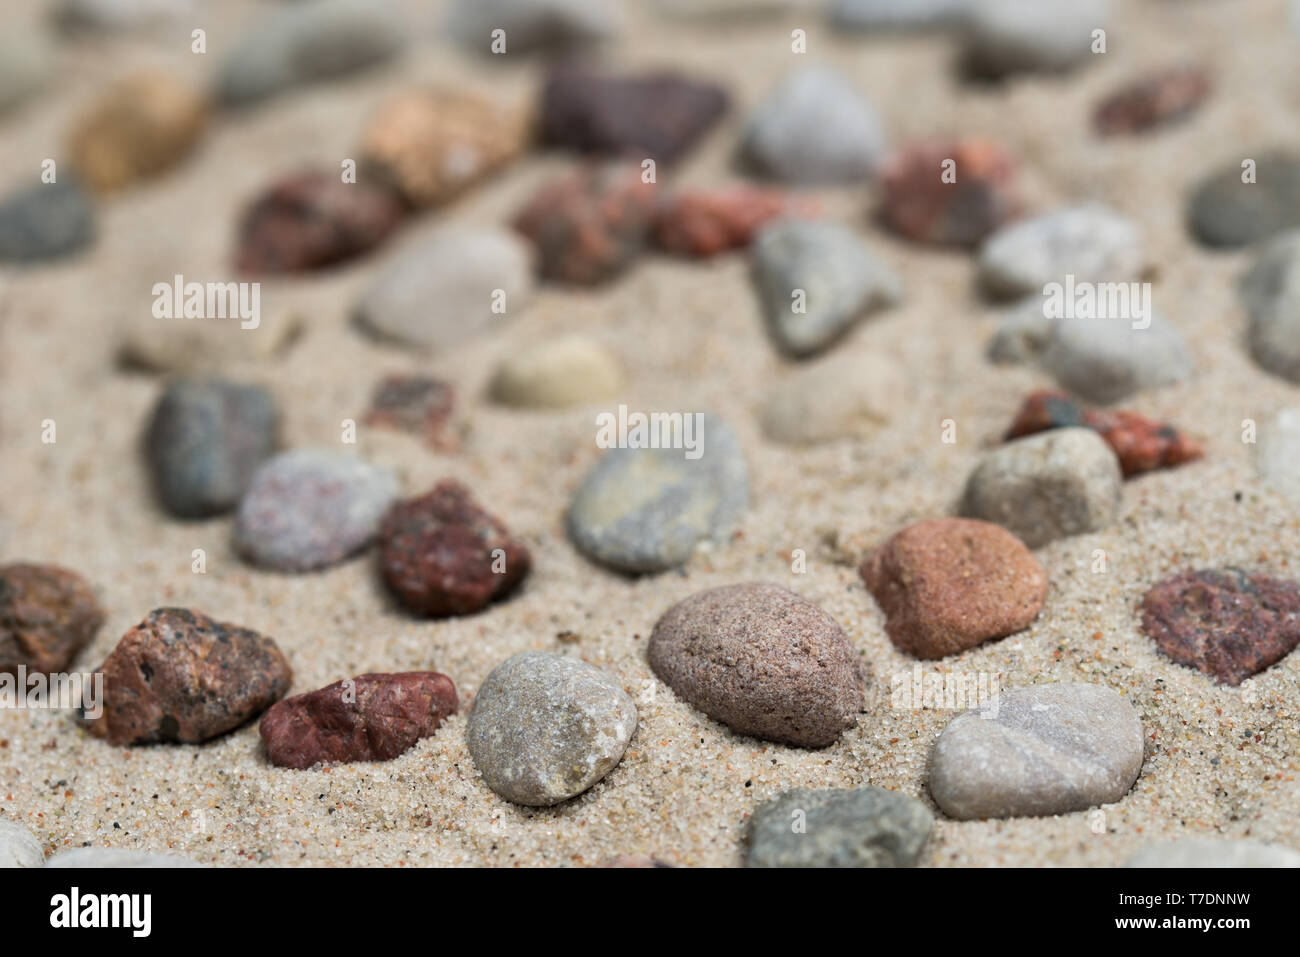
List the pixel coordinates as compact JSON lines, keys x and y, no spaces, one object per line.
{"x":1152,"y":101}
{"x":703,"y":223}
{"x":920,"y":205}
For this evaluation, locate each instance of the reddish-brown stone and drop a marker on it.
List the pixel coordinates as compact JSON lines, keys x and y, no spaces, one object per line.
{"x":313,"y":219}
{"x":703,"y":223}
{"x":443,"y":555}
{"x":47,"y":615}
{"x":369,"y":718}
{"x":1152,"y":101}
{"x":181,"y":676}
{"x":919,"y":205}
{"x":1224,"y":622}
{"x":1141,"y":444}
{"x":418,"y":404}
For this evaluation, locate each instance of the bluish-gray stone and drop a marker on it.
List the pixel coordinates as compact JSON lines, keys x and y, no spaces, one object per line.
{"x":838,"y":827}
{"x":46,"y":221}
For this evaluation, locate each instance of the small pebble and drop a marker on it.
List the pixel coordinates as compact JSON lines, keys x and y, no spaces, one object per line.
{"x":1197,"y":852}
{"x":47,"y":221}
{"x":47,"y":615}
{"x":1047,"y":749}
{"x":201,"y":347}
{"x":815,"y":280}
{"x":26,"y":66}
{"x":1104,"y":360}
{"x":705,"y":223}
{"x":918,"y":205}
{"x":1003,"y":37}
{"x":558,"y":373}
{"x":814,"y":129}
{"x":204,"y":441}
{"x":18,"y":846}
{"x":309,"y":508}
{"x":948,"y":584}
{"x":1270,"y":292}
{"x":545,"y":727}
{"x":1226,"y":212}
{"x":457,"y":283}
{"x":110,"y":15}
{"x":643,"y":510}
{"x":838,"y":397}
{"x":1153,"y":101}
{"x":530,"y":25}
{"x":1224,"y":622}
{"x":418,"y":404}
{"x":878,"y":15}
{"x":114,"y":859}
{"x":761,"y":660}
{"x":1277,"y":452}
{"x":1048,"y":486}
{"x":842,"y":827}
{"x":180,"y":676}
{"x":369,"y":718}
{"x":442,"y":555}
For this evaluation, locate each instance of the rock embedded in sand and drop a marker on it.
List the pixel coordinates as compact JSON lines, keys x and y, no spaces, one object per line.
{"x":204,"y":441}
{"x":1213,"y":852}
{"x":1270,"y":292}
{"x":761,"y":660}
{"x":309,"y":508}
{"x":18,"y":846}
{"x":1037,"y":751}
{"x":110,"y":15}
{"x":572,"y":370}
{"x":646,"y":509}
{"x":815,"y":279}
{"x":814,"y":129}
{"x":1004,"y":37}
{"x":948,"y":584}
{"x":530,"y":25}
{"x":418,"y":404}
{"x":920,"y":204}
{"x":47,"y":615}
{"x":1048,"y":486}
{"x":841,"y":396}
{"x":442,"y":555}
{"x":704,"y":223}
{"x":545,"y":727}
{"x":1151,"y":101}
{"x":1277,"y":452}
{"x":48,"y":221}
{"x":1235,"y":206}
{"x":1106,"y":359}
{"x":115,"y":859}
{"x":1224,"y":622}
{"x":843,"y":827}
{"x":180,"y":676}
{"x":369,"y":718}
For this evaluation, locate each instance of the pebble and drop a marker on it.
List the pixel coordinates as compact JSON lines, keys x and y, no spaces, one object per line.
{"x":1197,"y":852}
{"x":1140,"y":444}
{"x":140,"y":127}
{"x":430,"y":145}
{"x":18,"y":846}
{"x":1224,"y":622}
{"x":369,"y":718}
{"x":306,"y":43}
{"x":572,"y":370}
{"x":26,"y":66}
{"x":1048,"y":749}
{"x":1093,"y":243}
{"x":1226,"y":212}
{"x":587,"y":227}
{"x":204,"y":441}
{"x":1277,"y":452}
{"x":1003,"y":37}
{"x":704,"y":223}
{"x":203,"y":348}
{"x":530,"y":25}
{"x":47,"y":221}
{"x":642,"y":510}
{"x":1105,"y":360}
{"x":112,"y":858}
{"x":838,"y":397}
{"x":1048,"y":486}
{"x":1270,"y":292}
{"x":873,"y":15}
{"x":312,"y":219}
{"x":110,"y":15}
{"x":309,"y":508}
{"x":47,"y":615}
{"x":761,"y":660}
{"x":659,"y":116}
{"x":948,"y":584}
{"x":180,"y":676}
{"x":1152,"y":101}
{"x":418,"y":404}
{"x":918,"y":205}
{"x":545,"y":727}
{"x":457,"y":283}
{"x":814,"y":129}
{"x":815,"y":280}
{"x":442,"y":555}
{"x":842,"y":827}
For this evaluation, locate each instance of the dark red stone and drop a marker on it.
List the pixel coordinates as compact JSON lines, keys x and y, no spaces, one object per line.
{"x":919,"y":205}
{"x":369,"y":718}
{"x":703,"y":223}
{"x":1152,"y":101}
{"x":418,"y":404}
{"x":47,"y":615}
{"x":1224,"y":622}
{"x":313,"y":219}
{"x":181,"y":676}
{"x":436,"y":553}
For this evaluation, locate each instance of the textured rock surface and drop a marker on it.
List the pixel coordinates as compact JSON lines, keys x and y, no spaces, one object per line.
{"x":18,"y":846}
{"x":369,"y":718}
{"x":1224,"y":211}
{"x":546,"y":728}
{"x":1105,"y":360}
{"x":47,"y":615}
{"x":763,"y":661}
{"x":1050,"y":749}
{"x":704,"y":223}
{"x":1002,"y":37}
{"x":530,"y":25}
{"x":1151,"y":101}
{"x":557,"y":373}
{"x":47,"y":221}
{"x":918,"y":205}
{"x":862,"y":827}
{"x":1214,"y":852}
{"x":180,"y":676}
{"x":1270,"y":292}
{"x":841,"y":396}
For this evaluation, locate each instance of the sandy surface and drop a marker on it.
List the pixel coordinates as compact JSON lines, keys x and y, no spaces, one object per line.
{"x":1219,"y":761}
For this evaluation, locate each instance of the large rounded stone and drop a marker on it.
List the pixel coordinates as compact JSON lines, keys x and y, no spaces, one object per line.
{"x":862,"y":827}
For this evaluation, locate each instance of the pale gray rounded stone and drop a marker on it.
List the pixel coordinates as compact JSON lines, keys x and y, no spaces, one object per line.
{"x":1047,"y":486}
{"x":1270,"y":291}
{"x":545,"y":727}
{"x":839,"y":277}
{"x":814,"y":129}
{"x":1036,"y":751}
{"x":1105,"y":360}
{"x":841,"y":396}
{"x":838,"y":827}
{"x":1277,"y":452}
{"x":18,"y":846}
{"x":531,"y":25}
{"x":441,"y":291}
{"x":1002,"y":37}
{"x":1199,"y":852}
{"x":112,"y":858}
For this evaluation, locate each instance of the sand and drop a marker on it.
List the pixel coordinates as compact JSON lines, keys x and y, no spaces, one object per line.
{"x":1219,"y":761}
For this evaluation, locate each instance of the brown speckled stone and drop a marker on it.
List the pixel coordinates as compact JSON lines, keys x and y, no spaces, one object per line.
{"x":763,"y":661}
{"x":180,"y":676}
{"x":47,"y":615}
{"x":419,"y":404}
{"x":948,"y":584}
{"x":1153,"y":100}
{"x":920,"y":206}
{"x":1224,"y":622}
